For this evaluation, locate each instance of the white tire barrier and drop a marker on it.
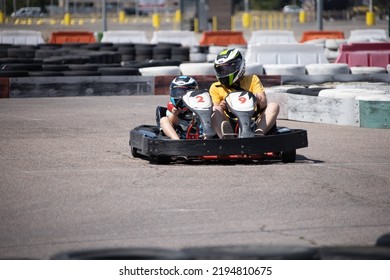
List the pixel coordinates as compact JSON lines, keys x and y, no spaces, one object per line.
{"x":331,"y":55}
{"x":284,"y":69}
{"x":367,"y":70}
{"x":317,"y":42}
{"x":349,"y":92}
{"x":327,"y":69}
{"x":193,"y":69}
{"x":278,"y":94}
{"x":198,"y":57}
{"x":21,"y":37}
{"x":183,"y":37}
{"x":334,"y":44}
{"x":216,"y":49}
{"x":332,"y":106}
{"x":124,"y":36}
{"x":254,"y":69}
{"x":160,"y":71}
{"x":211,"y":57}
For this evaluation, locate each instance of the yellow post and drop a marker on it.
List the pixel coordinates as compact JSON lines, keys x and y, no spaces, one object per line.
{"x":256,"y":22}
{"x":270,"y":21}
{"x":263,"y":22}
{"x":177,"y":20}
{"x":246,"y":18}
{"x":122,"y":16}
{"x":178,"y":16}
{"x":215,"y":23}
{"x":281,"y":21}
{"x":156,"y":20}
{"x":275,"y":19}
{"x":67,"y":19}
{"x":302,"y":16}
{"x":370,"y":18}
{"x":196,"y":25}
{"x":233,"y":23}
{"x":1,"y":16}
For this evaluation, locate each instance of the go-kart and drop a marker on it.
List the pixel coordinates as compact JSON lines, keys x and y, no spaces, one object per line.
{"x":199,"y":141}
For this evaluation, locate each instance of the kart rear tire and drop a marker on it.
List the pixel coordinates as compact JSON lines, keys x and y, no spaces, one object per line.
{"x":288,"y":156}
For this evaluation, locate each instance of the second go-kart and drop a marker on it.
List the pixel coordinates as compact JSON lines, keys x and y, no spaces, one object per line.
{"x":200,"y":143}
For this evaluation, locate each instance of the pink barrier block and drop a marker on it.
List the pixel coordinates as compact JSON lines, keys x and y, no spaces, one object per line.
{"x":357,"y":59}
{"x":365,"y":47}
{"x":380,"y":59}
{"x":365,"y":54}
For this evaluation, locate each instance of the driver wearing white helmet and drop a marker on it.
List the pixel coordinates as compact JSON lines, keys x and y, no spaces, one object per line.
{"x":229,"y":67}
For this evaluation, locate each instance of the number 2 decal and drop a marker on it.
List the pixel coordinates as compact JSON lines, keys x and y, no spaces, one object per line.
{"x":199,"y":98}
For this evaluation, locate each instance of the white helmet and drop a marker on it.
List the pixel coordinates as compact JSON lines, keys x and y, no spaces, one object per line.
{"x":229,"y":66}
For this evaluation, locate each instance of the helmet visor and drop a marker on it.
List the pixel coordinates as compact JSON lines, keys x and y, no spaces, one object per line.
{"x":228,"y":68}
{"x":178,"y":92}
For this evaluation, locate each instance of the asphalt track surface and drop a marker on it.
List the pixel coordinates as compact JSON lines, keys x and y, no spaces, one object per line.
{"x":68,"y":182}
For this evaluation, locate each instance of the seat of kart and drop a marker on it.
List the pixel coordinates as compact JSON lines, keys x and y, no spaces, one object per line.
{"x":160,"y":112}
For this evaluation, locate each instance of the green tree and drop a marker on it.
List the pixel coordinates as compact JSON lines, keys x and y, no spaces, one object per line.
{"x":266,"y":4}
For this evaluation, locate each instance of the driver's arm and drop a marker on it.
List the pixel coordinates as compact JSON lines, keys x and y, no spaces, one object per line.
{"x":216,"y":98}
{"x":258,"y":90}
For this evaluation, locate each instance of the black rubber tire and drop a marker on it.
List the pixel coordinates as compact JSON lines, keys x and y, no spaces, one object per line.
{"x":67,"y":59}
{"x":3,"y":53}
{"x":180,"y":53}
{"x":169,"y":45}
{"x":181,"y":57}
{"x":108,"y":49}
{"x":161,"y":50}
{"x":46,"y":53}
{"x":81,"y":73}
{"x":126,"y":50}
{"x":288,"y":156}
{"x":45,"y":74}
{"x":134,"y":152}
{"x":127,"y":57}
{"x":11,"y":74}
{"x":306,"y":91}
{"x":49,"y":46}
{"x":143,"y":52}
{"x":180,"y":50}
{"x":118,"y":71}
{"x":84,"y":67}
{"x":73,"y":45}
{"x":22,"y":66}
{"x":162,"y":160}
{"x":5,"y":46}
{"x":124,"y":45}
{"x":21,"y":53}
{"x":54,"y":67}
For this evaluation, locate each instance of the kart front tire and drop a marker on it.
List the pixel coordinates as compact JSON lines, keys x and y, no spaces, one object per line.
{"x":288,"y":156}
{"x":134,"y":152}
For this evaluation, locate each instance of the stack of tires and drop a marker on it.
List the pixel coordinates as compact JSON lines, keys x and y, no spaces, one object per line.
{"x":92,"y":59}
